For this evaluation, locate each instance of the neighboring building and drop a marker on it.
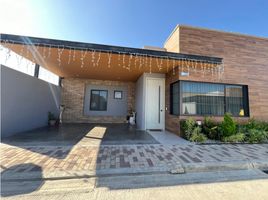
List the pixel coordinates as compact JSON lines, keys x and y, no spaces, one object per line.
{"x":198,"y":73}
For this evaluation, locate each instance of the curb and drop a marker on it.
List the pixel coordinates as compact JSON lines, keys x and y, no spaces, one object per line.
{"x":225,"y":166}
{"x":180,"y":169}
{"x":59,"y":175}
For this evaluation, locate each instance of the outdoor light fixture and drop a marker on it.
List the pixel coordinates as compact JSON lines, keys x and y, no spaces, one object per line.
{"x":199,"y":122}
{"x":185,"y":73}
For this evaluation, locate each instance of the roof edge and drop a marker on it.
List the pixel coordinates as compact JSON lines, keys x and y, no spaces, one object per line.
{"x":173,"y":31}
{"x":221,"y":31}
{"x":17,"y":39}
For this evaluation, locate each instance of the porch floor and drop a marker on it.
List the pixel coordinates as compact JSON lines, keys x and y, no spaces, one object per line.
{"x":70,"y":134}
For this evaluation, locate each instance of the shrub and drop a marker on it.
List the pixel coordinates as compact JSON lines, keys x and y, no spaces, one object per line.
{"x":254,"y":124}
{"x":197,"y":136}
{"x":239,"y":137}
{"x":210,"y":128}
{"x":228,"y":126}
{"x":190,"y":125}
{"x":256,"y":136}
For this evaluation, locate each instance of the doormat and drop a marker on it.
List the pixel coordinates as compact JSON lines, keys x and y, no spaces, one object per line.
{"x":155,"y":130}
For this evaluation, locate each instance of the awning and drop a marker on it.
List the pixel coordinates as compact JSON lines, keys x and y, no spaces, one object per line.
{"x":86,"y":60}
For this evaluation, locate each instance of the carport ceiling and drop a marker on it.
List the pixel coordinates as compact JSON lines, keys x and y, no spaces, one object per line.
{"x":85,"y":60}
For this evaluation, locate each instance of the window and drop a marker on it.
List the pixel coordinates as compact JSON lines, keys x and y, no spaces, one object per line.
{"x":98,"y":100}
{"x":118,"y":94}
{"x":175,"y":105}
{"x":194,"y":98}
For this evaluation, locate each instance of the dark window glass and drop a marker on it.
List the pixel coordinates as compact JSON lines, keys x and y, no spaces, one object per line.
{"x":202,"y":99}
{"x":208,"y":99}
{"x":175,"y":101}
{"x":234,"y":100}
{"x":98,"y":100}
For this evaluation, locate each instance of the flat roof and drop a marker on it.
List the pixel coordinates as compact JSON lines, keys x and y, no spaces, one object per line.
{"x":214,"y":30}
{"x":71,"y":59}
{"x":17,"y":39}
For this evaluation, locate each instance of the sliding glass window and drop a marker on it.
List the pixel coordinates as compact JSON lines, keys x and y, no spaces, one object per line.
{"x":195,"y":98}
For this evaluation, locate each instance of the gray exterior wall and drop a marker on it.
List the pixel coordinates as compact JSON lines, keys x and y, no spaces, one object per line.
{"x":115,"y":107}
{"x":25,"y":101}
{"x":139,"y":103}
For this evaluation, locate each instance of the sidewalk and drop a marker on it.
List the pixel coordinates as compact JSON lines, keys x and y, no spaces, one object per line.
{"x":33,"y":162}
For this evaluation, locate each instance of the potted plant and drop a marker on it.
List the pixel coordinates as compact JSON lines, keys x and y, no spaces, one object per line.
{"x":51,"y":119}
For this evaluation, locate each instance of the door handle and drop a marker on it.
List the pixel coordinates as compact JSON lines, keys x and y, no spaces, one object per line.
{"x":161,"y":110}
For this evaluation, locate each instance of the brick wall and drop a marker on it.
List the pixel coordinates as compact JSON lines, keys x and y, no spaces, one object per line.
{"x":245,"y":61}
{"x":73,"y":95}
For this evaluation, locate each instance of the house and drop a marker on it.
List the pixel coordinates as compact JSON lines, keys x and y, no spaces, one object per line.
{"x":197,"y":73}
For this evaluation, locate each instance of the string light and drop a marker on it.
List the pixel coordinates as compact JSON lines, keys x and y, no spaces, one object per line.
{"x":146,"y":61}
{"x":60,"y":51}
{"x":83,"y":55}
{"x":69,"y":56}
{"x":140,"y":65}
{"x":8,"y":54}
{"x":20,"y":57}
{"x":129,"y":62}
{"x":44,"y":52}
{"x":140,"y":60}
{"x":161,"y":63}
{"x":109,"y":59}
{"x":135,"y":61}
{"x":98,"y":60}
{"x":73,"y":55}
{"x":173,"y":67}
{"x":49,"y":51}
{"x":167,"y":64}
{"x":124,"y":61}
{"x":93,"y":58}
{"x":150,"y":64}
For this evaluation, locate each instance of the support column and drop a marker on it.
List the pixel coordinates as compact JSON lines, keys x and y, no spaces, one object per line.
{"x":60,"y":80}
{"x":36,"y":70}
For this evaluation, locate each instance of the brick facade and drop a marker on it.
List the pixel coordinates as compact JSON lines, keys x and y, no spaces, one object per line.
{"x":73,"y":95}
{"x":245,"y":61}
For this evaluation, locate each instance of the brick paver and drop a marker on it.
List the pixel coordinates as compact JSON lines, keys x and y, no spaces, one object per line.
{"x":94,"y":158}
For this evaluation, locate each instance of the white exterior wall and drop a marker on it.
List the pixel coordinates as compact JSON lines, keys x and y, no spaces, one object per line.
{"x":140,"y":95}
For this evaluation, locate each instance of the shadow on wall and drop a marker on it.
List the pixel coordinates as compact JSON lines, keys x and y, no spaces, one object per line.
{"x":10,"y":184}
{"x":26,"y":101}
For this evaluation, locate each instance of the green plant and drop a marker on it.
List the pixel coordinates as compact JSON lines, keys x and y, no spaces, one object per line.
{"x":228,"y":126}
{"x":190,"y":125}
{"x":256,"y":136}
{"x":210,"y":128}
{"x":254,"y":124}
{"x":239,"y":137}
{"x":51,"y":116}
{"x":197,"y":136}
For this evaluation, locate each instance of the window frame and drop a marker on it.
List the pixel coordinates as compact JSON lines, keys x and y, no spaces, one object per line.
{"x":98,"y":109}
{"x":115,"y":91}
{"x":245,"y":98}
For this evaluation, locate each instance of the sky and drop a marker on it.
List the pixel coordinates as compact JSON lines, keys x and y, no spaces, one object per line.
{"x":131,"y":23}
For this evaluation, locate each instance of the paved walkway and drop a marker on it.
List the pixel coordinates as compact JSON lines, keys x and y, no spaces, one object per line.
{"x":75,"y":160}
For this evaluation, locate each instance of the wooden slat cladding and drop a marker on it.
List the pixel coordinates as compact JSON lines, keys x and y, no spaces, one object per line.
{"x":245,"y":60}
{"x":172,"y":43}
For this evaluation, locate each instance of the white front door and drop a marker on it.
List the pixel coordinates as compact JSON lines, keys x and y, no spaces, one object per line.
{"x":155,"y":103}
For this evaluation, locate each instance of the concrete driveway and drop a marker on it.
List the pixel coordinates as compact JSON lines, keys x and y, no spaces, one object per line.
{"x":87,"y":134}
